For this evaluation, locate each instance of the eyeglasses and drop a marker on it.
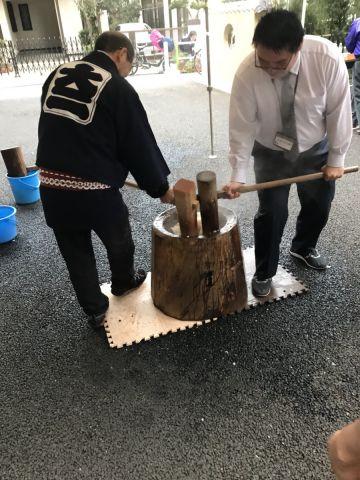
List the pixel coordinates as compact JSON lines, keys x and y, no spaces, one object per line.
{"x":282,"y":65}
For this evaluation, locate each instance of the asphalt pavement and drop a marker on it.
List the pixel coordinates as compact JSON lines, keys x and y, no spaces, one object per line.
{"x":252,"y":396}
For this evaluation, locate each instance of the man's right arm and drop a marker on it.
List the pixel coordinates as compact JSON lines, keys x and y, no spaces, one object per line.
{"x":242,"y":132}
{"x":44,"y":92}
{"x":139,"y":150}
{"x":45,"y":87}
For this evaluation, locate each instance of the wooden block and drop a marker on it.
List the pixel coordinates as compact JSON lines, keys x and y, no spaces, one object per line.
{"x":186,"y":205}
{"x":14,"y":162}
{"x":206,"y":182}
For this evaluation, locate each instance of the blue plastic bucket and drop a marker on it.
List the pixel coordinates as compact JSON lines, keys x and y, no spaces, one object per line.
{"x":7,"y":223}
{"x":26,"y":189}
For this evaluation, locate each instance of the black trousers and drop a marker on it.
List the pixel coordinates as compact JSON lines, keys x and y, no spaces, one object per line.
{"x":73,"y":216}
{"x":315,"y":200}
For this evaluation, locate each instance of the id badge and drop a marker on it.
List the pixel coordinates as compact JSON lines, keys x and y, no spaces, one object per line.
{"x":284,"y":142}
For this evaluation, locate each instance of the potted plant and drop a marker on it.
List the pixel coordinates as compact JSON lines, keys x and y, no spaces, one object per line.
{"x":5,"y":64}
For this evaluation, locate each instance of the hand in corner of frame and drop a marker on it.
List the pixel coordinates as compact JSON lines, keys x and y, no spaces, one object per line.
{"x":230,"y":190}
{"x":344,"y":452}
{"x":332,"y":173}
{"x":168,"y":197}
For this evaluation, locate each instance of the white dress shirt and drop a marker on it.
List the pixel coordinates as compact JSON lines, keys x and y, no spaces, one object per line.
{"x":322,"y":105}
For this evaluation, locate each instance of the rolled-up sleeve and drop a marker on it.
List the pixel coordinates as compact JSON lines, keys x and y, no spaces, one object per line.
{"x":242,"y":128}
{"x":338,"y":112}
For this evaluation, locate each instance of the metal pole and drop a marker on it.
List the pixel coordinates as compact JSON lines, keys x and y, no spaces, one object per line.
{"x":303,"y":12}
{"x":166,"y":17}
{"x":167,"y":34}
{"x":209,"y":87}
{"x":166,"y":57}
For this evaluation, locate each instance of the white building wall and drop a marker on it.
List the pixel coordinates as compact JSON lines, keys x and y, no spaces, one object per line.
{"x":70,"y":18}
{"x":49,"y":18}
{"x":43,"y":20}
{"x":4,"y":22}
{"x":225,"y":59}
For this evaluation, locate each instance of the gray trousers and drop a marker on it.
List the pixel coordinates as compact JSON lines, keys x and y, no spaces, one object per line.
{"x":356,"y":91}
{"x":315,"y":199}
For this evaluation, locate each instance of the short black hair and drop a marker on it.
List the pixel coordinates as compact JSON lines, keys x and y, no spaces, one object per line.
{"x":279,"y":30}
{"x":111,"y":41}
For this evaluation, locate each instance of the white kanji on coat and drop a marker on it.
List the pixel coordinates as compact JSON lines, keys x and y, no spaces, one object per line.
{"x":74,"y":91}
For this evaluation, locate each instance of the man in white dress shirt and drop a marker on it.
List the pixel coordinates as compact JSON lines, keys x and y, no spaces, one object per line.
{"x":290,"y":108}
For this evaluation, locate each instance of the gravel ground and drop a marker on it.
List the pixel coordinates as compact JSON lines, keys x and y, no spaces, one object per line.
{"x":252,"y":396}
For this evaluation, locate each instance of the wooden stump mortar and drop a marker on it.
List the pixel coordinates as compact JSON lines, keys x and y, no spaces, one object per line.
{"x":196,"y":278}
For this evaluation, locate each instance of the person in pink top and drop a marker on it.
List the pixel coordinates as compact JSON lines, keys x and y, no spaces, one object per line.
{"x":157,"y":40}
{"x":156,"y":37}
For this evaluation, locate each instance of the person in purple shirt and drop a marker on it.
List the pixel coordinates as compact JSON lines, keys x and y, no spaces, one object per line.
{"x":352,"y":42}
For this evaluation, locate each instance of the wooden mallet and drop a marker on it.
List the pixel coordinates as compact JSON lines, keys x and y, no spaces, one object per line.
{"x":284,"y":181}
{"x":265,"y":185}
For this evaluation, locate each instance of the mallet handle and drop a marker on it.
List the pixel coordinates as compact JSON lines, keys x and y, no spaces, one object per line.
{"x":132,"y":184}
{"x":265,"y":185}
{"x":284,"y":181}
{"x":287,"y":181}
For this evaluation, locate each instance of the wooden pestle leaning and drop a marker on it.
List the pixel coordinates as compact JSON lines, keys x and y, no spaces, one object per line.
{"x":14,"y":162}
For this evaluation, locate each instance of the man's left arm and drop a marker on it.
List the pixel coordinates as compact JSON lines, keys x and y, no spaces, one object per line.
{"x":338,"y":117}
{"x":350,"y":39}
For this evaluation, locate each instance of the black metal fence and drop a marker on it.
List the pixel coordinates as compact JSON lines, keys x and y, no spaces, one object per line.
{"x":40,"y":54}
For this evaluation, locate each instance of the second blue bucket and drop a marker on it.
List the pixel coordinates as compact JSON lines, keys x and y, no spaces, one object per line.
{"x":7,"y":223}
{"x":26,"y":189}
